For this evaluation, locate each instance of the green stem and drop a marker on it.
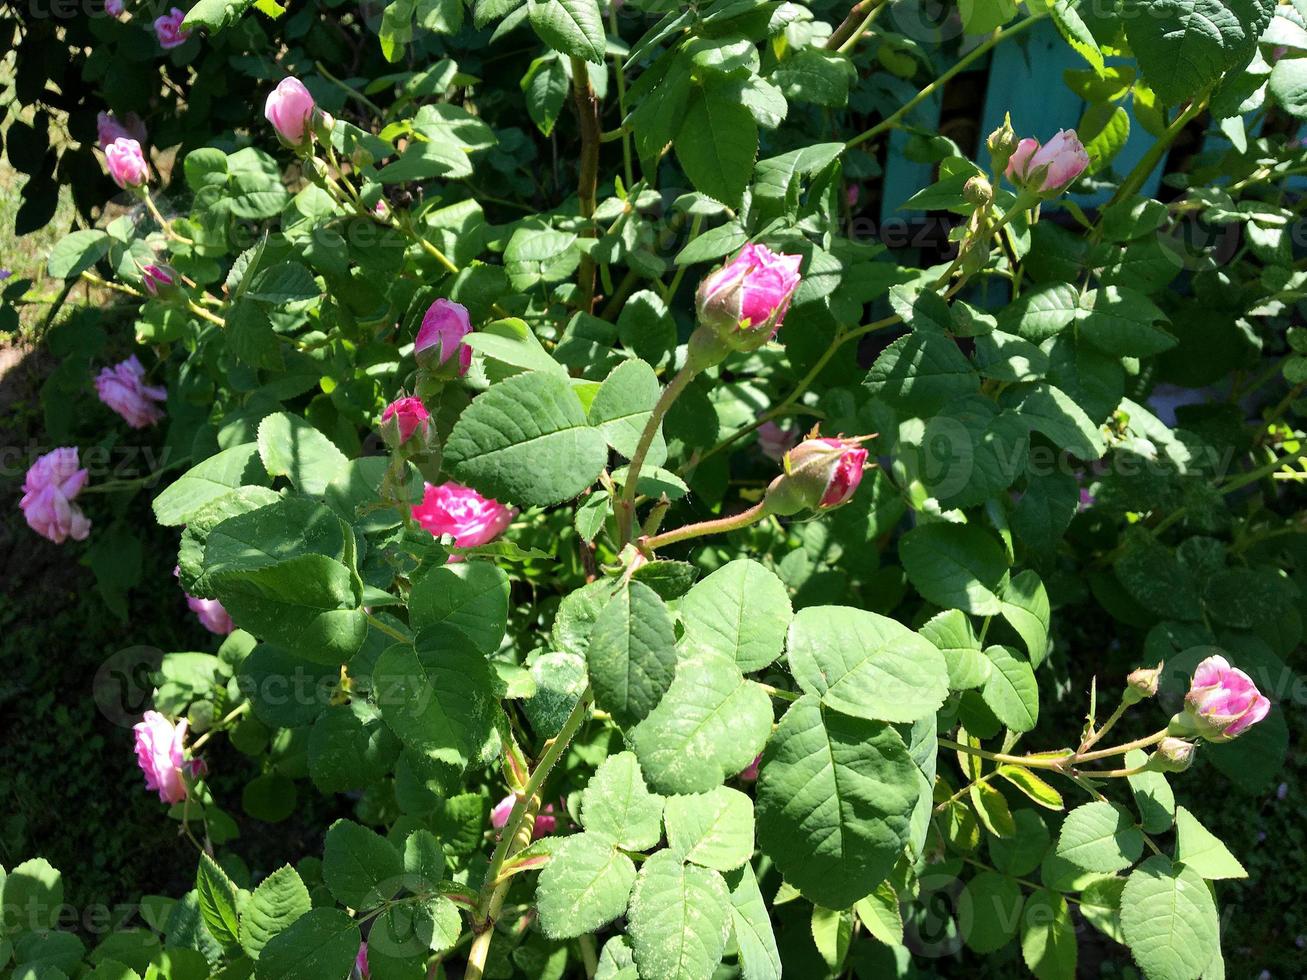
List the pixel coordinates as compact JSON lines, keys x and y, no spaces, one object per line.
{"x":1122,"y":749}
{"x":1089,"y":742}
{"x":619,"y":76}
{"x":231,"y":716}
{"x":348,"y":89}
{"x":719,"y":526}
{"x":849,"y":33}
{"x":1135,"y":179}
{"x":163,"y":222}
{"x":394,"y":634}
{"x":971,"y":57}
{"x":626,"y":505}
{"x":587,"y":112}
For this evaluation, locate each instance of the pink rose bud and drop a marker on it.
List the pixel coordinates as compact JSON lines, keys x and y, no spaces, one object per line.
{"x":114,"y":8}
{"x":290,"y":110}
{"x":1172,"y":755}
{"x":51,"y":485}
{"x":1047,"y":170}
{"x":402,"y":418}
{"x":1222,"y":703}
{"x":361,"y":963}
{"x":160,"y":752}
{"x":750,"y":773}
{"x":745,"y":301}
{"x":168,"y":29}
{"x":820,"y":474}
{"x":159,"y":280}
{"x":546,"y":820}
{"x":210,"y":613}
{"x":461,"y":512}
{"x":774,"y":441}
{"x":123,"y":388}
{"x":440,"y":338}
{"x":126,"y":163}
{"x":109,"y":128}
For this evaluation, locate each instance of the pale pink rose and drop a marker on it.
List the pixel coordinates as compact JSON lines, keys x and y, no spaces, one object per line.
{"x":290,"y":109}
{"x":210,"y":613}
{"x":441,"y":335}
{"x":1048,"y":169}
{"x":51,"y":485}
{"x":168,"y":29}
{"x":125,"y":161}
{"x":408,"y":415}
{"x":158,"y":278}
{"x":546,"y":820}
{"x":114,"y":8}
{"x":1223,"y":701}
{"x":460,"y":511}
{"x":750,"y":295}
{"x":160,"y":752}
{"x":750,"y":773}
{"x":361,"y":963}
{"x":123,"y":388}
{"x":109,"y":128}
{"x":774,"y":441}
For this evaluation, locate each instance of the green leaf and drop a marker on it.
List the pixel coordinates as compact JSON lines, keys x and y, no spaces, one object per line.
{"x":424,"y":861}
{"x":983,"y":16}
{"x":713,"y":829}
{"x":832,"y":932}
{"x":218,"y":902}
{"x":1052,"y":412}
{"x":994,"y":901}
{"x":1021,"y":853}
{"x":741,"y":611}
{"x":280,"y":899}
{"x":1042,"y":312}
{"x":710,"y":724}
{"x":1076,"y":32}
{"x":1169,"y":920}
{"x":471,"y":596}
{"x":679,"y":919}
{"x":584,"y":886}
{"x":512,"y":342}
{"x":436,"y":696}
{"x":880,"y":915}
{"x":572,"y":27}
{"x":76,"y":252}
{"x":834,"y":801}
{"x":617,"y":806}
{"x":717,"y":142}
{"x":1120,"y":322}
{"x":1025,"y":607}
{"x":1011,"y":691}
{"x":1034,"y":786}
{"x":957,"y":566}
{"x":921,"y":372}
{"x":321,"y":943}
{"x":1152,"y":793}
{"x":992,"y":808}
{"x":33,"y":896}
{"x":545,"y":86}
{"x":1198,"y":848}
{"x":215,"y":477}
{"x":526,"y":441}
{"x":815,"y":75}
{"x":1104,"y":130}
{"x":1287,"y":85}
{"x":759,"y":957}
{"x":291,"y":447}
{"x":361,"y":867}
{"x":632,"y":655}
{"x":1100,"y":836}
{"x":951,"y":632}
{"x":866,"y":665}
{"x":1100,"y":905}
{"x":1048,"y":937}
{"x":622,"y":407}
{"x":287,"y":282}
{"x":1185,"y":46}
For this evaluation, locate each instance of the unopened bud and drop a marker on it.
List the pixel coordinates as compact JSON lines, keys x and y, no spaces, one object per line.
{"x":978,"y":191}
{"x":1142,"y":683}
{"x":1172,"y":755}
{"x":745,"y":301}
{"x":820,"y":474}
{"x":1002,"y":144}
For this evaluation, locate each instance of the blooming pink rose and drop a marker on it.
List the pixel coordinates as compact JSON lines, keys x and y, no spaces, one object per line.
{"x":454,"y":509}
{"x":126,"y":163}
{"x":750,"y":295}
{"x":441,"y":336}
{"x":409,"y":415}
{"x":1048,"y":169}
{"x":109,"y":128}
{"x":1223,"y":702}
{"x":290,"y":108}
{"x":161,"y":755}
{"x":774,"y":441}
{"x":546,"y":820}
{"x":114,"y":8}
{"x":168,"y":29}
{"x":361,"y":963}
{"x":819,"y":474}
{"x":158,"y":278}
{"x":51,"y":485}
{"x":123,"y":388}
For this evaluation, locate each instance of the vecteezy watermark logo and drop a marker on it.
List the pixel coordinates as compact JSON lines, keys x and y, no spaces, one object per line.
{"x":124,"y":684}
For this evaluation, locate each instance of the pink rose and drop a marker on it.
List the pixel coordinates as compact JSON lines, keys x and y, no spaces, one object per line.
{"x":406,"y":416}
{"x":168,"y":29}
{"x":361,"y":962}
{"x":123,"y":388}
{"x":441,"y":336}
{"x":290,"y":108}
{"x":774,"y":441}
{"x":51,"y":485}
{"x":745,"y":301}
{"x":1048,"y":169}
{"x":158,"y":278}
{"x":126,"y":163}
{"x":109,"y":128}
{"x":1222,"y":703}
{"x":209,"y":611}
{"x":546,"y":820}
{"x":161,"y":755}
{"x":114,"y":8}
{"x":820,"y":474}
{"x":463,"y":513}
{"x":750,"y":773}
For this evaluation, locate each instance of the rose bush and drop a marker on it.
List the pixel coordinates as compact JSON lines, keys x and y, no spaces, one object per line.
{"x":671,"y":581}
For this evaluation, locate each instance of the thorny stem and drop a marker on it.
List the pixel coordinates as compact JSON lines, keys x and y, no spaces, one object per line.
{"x":1093,"y":737}
{"x":626,"y":505}
{"x":163,"y":222}
{"x":850,"y":32}
{"x":587,"y":111}
{"x":1058,"y":763}
{"x":720,"y":525}
{"x":230,"y":716}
